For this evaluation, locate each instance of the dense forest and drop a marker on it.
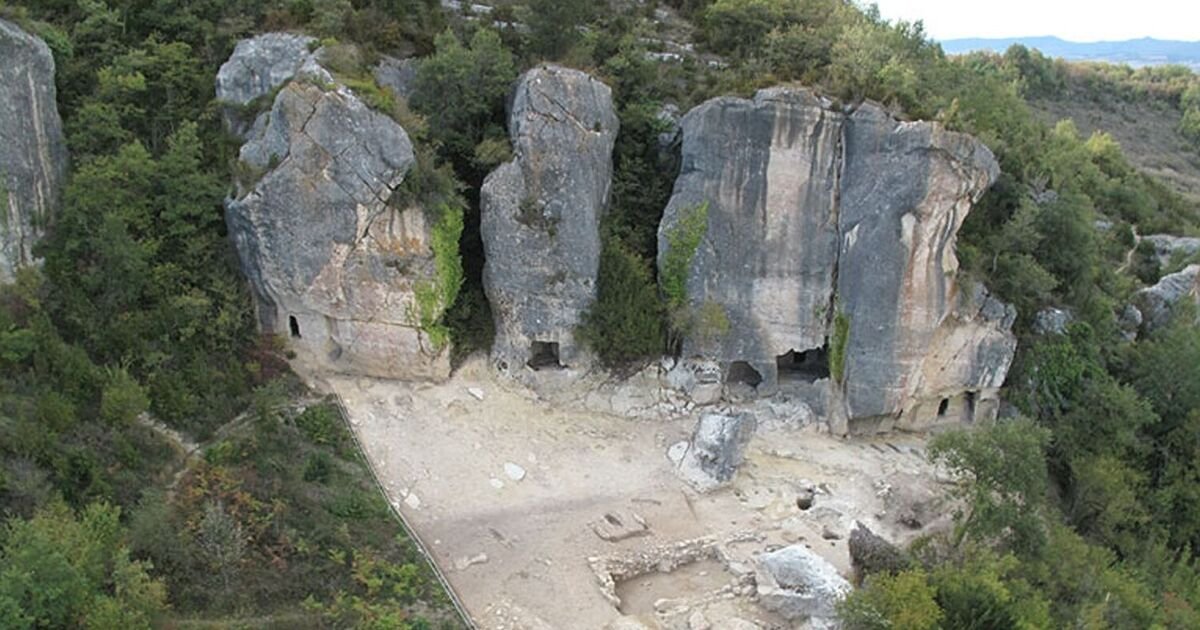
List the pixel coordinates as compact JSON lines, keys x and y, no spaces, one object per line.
{"x":135,"y":343}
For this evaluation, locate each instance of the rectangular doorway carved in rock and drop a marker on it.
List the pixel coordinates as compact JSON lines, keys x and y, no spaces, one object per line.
{"x":543,"y":355}
{"x":294,"y":326}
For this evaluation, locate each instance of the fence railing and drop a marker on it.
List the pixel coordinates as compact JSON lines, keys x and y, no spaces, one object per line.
{"x":455,"y":600}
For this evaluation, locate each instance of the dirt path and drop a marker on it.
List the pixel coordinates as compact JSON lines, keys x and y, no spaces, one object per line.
{"x":505,"y":490}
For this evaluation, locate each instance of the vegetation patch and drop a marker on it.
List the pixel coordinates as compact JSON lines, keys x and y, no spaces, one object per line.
{"x":432,"y":298}
{"x":837,"y":346}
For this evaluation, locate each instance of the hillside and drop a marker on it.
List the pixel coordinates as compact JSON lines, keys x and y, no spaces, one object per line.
{"x":643,"y":315}
{"x":1135,"y":52}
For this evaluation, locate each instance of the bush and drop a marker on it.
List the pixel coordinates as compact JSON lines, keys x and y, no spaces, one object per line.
{"x":904,"y":601}
{"x":626,"y":322}
{"x":320,"y":424}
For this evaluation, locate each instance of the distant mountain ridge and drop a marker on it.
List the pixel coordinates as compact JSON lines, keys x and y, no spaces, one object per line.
{"x":1135,"y":52}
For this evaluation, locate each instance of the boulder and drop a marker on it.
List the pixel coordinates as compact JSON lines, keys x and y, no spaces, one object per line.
{"x":717,"y":448}
{"x":540,"y":218}
{"x":1051,"y":321}
{"x":823,"y":227}
{"x":798,"y":584}
{"x":1167,"y":246}
{"x":256,"y":68}
{"x":871,"y":553}
{"x":333,"y":263}
{"x":1157,"y":303}
{"x":33,"y":155}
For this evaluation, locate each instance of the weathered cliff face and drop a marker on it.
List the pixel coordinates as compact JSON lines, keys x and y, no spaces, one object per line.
{"x":332,"y":264}
{"x":541,"y":217}
{"x":816,"y":216}
{"x":33,"y":153}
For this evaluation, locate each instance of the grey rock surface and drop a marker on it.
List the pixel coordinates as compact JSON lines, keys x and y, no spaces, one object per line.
{"x":541,"y":216}
{"x":331,"y":263}
{"x":717,"y":448}
{"x":814,"y":211}
{"x":1167,"y":246}
{"x":1157,"y":303}
{"x":256,"y":68}
{"x":1052,"y":321}
{"x":33,"y":153}
{"x":798,"y":584}
{"x":395,"y":74}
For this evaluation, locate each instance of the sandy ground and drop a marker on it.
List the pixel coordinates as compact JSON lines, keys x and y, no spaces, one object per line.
{"x":505,"y":490}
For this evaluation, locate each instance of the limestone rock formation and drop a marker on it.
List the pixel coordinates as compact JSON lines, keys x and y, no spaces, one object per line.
{"x":1157,"y":303}
{"x":717,"y":448}
{"x":798,"y":584}
{"x":541,"y":216}
{"x":33,"y":153}
{"x":256,"y":68}
{"x":333,"y":265}
{"x":831,"y":233}
{"x":397,"y":75}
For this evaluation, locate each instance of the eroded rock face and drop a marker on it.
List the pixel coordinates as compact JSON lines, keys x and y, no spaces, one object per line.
{"x":1157,"y":303}
{"x":33,"y":153}
{"x":333,"y":266}
{"x":541,"y":217}
{"x":256,"y":68}
{"x":717,"y":449}
{"x":814,"y":214}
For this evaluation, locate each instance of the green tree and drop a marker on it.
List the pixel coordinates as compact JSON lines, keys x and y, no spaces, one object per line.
{"x":626,"y":322}
{"x":480,"y":76}
{"x":554,"y":25}
{"x":1001,"y":480}
{"x":60,"y":570}
{"x":904,"y":601}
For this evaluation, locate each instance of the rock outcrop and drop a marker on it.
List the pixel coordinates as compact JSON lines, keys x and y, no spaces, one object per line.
{"x":798,"y":584}
{"x":541,"y":216}
{"x":332,"y":263}
{"x":717,"y":449}
{"x":1167,"y":246}
{"x":257,"y":67}
{"x":33,"y":153}
{"x":830,"y":234}
{"x":1157,"y":303}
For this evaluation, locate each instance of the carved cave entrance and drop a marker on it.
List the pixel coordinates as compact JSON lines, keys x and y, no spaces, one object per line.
{"x":543,"y":355}
{"x":294,"y":326}
{"x":806,"y":366}
{"x":958,"y":407}
{"x":741,"y":372}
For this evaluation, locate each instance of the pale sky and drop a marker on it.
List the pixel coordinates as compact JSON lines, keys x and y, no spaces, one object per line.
{"x":1075,"y":20}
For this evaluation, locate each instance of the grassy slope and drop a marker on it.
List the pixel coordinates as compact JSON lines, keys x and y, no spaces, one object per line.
{"x":1147,"y":131}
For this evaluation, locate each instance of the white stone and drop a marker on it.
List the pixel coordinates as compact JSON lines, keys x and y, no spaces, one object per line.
{"x":413,"y":501}
{"x":476,"y":392}
{"x":676,"y":452}
{"x":496,"y":483}
{"x":514,"y":471}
